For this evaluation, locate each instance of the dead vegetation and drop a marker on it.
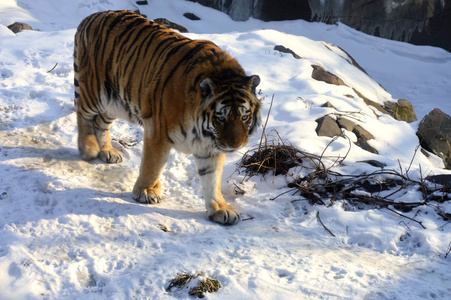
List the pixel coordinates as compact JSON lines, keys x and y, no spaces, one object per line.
{"x":314,"y":178}
{"x":205,"y":284}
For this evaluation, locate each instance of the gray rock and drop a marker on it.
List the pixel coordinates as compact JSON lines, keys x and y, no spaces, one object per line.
{"x":327,"y":126}
{"x":328,"y":105}
{"x":371,"y":102}
{"x":434,"y":133}
{"x":283,"y":49}
{"x":191,"y":16}
{"x":374,"y":163}
{"x":346,"y":124}
{"x":171,"y":25}
{"x":401,"y":110}
{"x":363,"y":136}
{"x":365,"y":146}
{"x":18,"y":27}
{"x":320,"y":74}
{"x":362,"y":133}
{"x":442,"y":179}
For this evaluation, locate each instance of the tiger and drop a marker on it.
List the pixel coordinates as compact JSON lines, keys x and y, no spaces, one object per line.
{"x":186,"y":94}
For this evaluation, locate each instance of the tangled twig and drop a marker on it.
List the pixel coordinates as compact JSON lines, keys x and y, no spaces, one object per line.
{"x":322,"y":183}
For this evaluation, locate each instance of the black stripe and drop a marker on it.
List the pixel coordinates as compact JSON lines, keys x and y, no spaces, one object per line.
{"x":198,"y":78}
{"x":205,"y":171}
{"x":75,"y":68}
{"x":182,"y":129}
{"x":181,"y":61}
{"x":120,"y":18}
{"x":169,"y":37}
{"x":169,"y":139}
{"x":76,"y":82}
{"x":131,"y":56}
{"x":203,"y":157}
{"x":150,"y":63}
{"x":86,"y":102}
{"x":105,"y":121}
{"x":128,"y":32}
{"x":201,"y":58}
{"x":86,"y":111}
{"x":143,"y":28}
{"x":100,"y":44}
{"x":97,"y":126}
{"x":133,"y":44}
{"x":147,"y":41}
{"x":169,"y":54}
{"x":87,"y":22}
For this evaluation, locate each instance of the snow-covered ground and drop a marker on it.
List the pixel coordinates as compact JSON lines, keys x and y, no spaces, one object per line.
{"x":69,"y":229}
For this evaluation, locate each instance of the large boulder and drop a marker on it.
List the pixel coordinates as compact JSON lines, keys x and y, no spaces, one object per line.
{"x":401,"y":110}
{"x":18,"y":27}
{"x":434,"y":133}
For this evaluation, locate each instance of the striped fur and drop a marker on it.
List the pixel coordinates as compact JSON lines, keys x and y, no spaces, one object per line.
{"x":187,"y":94}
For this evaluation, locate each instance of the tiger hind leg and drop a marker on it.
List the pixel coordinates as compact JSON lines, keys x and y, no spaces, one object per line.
{"x":94,"y":139}
{"x":102,"y":125}
{"x":87,"y":142}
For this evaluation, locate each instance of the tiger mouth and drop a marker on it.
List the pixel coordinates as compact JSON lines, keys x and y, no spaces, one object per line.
{"x":226,"y":149}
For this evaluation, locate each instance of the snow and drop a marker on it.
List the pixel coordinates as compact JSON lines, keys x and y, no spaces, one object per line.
{"x":69,"y":229}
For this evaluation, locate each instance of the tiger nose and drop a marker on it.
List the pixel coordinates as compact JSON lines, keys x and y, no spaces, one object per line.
{"x":236,"y":136}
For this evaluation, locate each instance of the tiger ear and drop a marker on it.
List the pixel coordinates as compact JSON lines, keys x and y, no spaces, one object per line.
{"x":207,"y":86}
{"x":253,"y":81}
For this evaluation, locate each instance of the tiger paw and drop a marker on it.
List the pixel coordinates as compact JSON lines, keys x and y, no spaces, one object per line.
{"x":111,"y":156}
{"x":146,"y":195}
{"x":226,"y":215}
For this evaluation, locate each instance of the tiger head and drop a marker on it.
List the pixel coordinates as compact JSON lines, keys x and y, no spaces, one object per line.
{"x":232,"y":111}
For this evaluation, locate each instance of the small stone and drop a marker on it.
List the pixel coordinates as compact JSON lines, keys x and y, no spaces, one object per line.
{"x":362,"y":139}
{"x":374,"y":163}
{"x":328,"y":105}
{"x":283,"y":49}
{"x":365,"y":146}
{"x":346,"y":124}
{"x":362,"y":133}
{"x":171,"y":25}
{"x":320,"y":74}
{"x":191,"y":16}
{"x":327,"y":126}
{"x":18,"y":27}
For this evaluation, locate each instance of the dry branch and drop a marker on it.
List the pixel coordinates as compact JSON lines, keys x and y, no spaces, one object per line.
{"x":327,"y":229}
{"x":276,"y":156}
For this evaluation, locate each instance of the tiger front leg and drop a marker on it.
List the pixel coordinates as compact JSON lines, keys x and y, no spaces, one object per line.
{"x":147,"y":188}
{"x":210,"y":173}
